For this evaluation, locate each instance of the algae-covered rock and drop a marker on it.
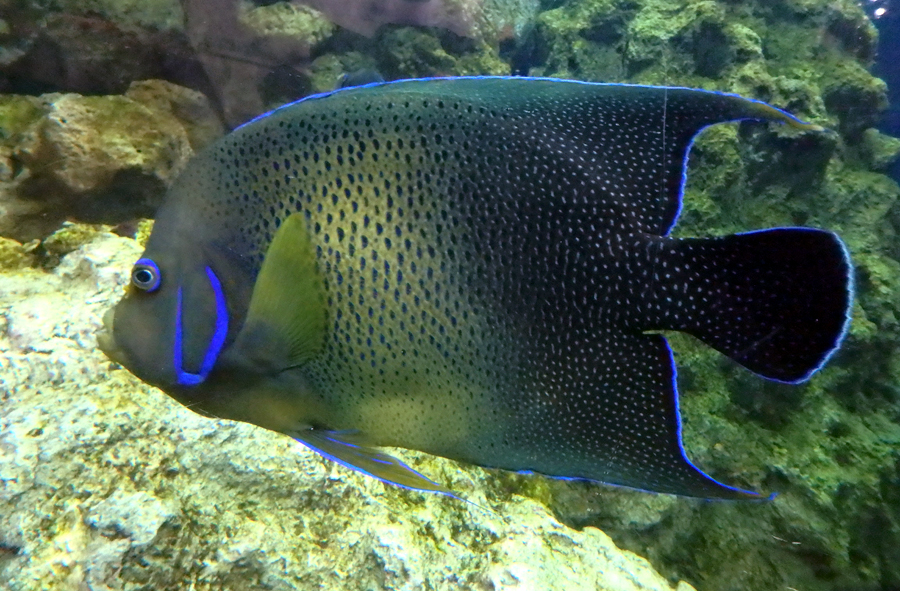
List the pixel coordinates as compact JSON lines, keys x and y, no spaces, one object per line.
{"x":412,"y":53}
{"x":325,"y":72}
{"x":17,"y":116}
{"x":96,"y":158}
{"x":83,"y":51}
{"x":14,"y":255}
{"x":85,"y":141}
{"x":288,"y":19}
{"x":110,"y":478}
{"x":68,"y":238}
{"x":106,"y":483}
{"x":878,"y":150}
{"x":190,"y":107}
{"x":163,"y":14}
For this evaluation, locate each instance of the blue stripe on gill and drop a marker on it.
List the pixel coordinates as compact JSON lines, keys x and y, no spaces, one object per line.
{"x":215,"y":343}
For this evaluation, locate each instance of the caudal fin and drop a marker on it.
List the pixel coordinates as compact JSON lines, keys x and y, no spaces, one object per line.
{"x":776,"y":301}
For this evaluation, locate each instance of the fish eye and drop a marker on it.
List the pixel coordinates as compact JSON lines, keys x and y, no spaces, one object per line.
{"x":145,"y":275}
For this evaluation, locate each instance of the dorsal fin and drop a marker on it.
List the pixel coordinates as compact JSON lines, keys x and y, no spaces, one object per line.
{"x":632,"y":139}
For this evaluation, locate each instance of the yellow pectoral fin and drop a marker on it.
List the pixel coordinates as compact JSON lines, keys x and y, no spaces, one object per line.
{"x":285,"y":324}
{"x":346,"y":448}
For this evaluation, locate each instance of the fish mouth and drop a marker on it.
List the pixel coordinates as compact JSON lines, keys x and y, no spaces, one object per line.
{"x":105,"y":339}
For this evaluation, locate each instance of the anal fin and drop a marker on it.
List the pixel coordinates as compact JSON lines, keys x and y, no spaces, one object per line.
{"x":348,"y":448}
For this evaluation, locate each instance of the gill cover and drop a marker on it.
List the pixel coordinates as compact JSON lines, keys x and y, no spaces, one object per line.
{"x":172,"y":325}
{"x":215,"y":341}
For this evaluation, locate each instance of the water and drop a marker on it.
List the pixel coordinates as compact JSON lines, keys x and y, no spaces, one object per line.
{"x":887,"y":20}
{"x":106,"y":482}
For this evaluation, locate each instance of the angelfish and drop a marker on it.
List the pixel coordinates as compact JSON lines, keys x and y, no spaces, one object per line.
{"x":477,"y":268}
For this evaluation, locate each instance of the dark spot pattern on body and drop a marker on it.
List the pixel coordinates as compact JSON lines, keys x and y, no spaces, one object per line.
{"x":492,"y":253}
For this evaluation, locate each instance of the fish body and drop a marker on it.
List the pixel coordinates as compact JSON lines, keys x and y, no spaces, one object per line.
{"x":471,"y":267}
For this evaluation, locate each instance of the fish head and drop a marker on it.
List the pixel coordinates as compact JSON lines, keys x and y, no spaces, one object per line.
{"x":173,"y":323}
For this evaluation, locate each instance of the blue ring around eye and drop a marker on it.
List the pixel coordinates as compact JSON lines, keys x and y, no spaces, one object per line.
{"x":148,"y":266}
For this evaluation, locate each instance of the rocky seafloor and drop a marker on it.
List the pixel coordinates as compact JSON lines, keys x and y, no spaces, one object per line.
{"x":105,"y":483}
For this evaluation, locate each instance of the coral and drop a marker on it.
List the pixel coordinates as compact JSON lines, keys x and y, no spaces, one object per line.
{"x":108,"y":483}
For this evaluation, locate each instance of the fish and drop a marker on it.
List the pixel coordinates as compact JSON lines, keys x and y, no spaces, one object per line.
{"x":479,"y":268}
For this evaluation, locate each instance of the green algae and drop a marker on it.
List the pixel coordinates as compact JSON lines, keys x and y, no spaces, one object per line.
{"x":142,"y":233}
{"x":70,"y":237}
{"x":412,"y":53}
{"x":162,"y":14}
{"x":290,"y":20}
{"x":583,"y":39}
{"x":14,"y":255}
{"x":17,"y":115}
{"x":877,"y":150}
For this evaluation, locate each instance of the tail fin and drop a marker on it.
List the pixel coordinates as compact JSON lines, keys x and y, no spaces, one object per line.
{"x":776,"y":301}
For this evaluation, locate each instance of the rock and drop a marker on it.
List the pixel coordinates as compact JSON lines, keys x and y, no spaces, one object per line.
{"x":14,"y":255}
{"x":158,"y":14}
{"x":289,"y":20}
{"x":107,"y":483}
{"x":190,"y":107}
{"x":366,"y":16}
{"x":100,"y":159}
{"x":240,"y":50}
{"x":85,"y":142}
{"x":879,"y":150}
{"x":89,"y":53}
{"x":828,"y":447}
{"x":855,"y":96}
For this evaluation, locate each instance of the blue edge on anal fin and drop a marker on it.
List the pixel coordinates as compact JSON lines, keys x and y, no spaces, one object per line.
{"x":316,"y":440}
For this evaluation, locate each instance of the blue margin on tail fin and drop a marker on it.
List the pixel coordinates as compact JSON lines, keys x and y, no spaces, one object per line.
{"x":851,"y":297}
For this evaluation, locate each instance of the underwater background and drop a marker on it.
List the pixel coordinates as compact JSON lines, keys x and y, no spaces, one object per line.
{"x":107,"y":483}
